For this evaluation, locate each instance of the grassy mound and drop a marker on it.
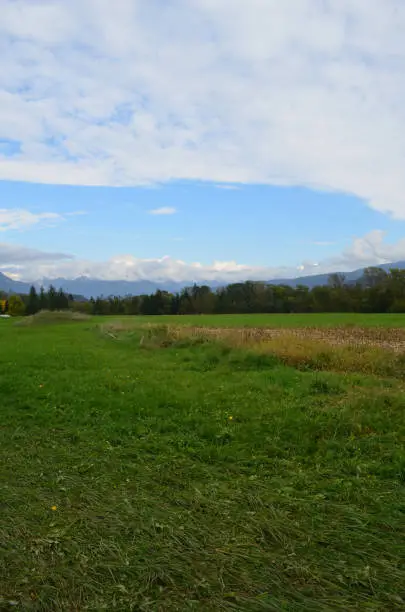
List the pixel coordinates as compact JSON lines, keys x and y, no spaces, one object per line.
{"x":46,"y":317}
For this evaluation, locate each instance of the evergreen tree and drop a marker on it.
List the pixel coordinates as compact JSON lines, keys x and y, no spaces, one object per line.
{"x":33,"y":302}
{"x":61,"y":300}
{"x":43,"y":299}
{"x":52,"y":298}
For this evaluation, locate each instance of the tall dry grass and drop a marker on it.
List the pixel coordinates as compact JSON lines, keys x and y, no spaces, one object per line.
{"x":354,"y":350}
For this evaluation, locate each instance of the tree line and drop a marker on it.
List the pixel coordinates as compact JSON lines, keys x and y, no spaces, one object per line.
{"x":52,"y":299}
{"x":377,"y":291}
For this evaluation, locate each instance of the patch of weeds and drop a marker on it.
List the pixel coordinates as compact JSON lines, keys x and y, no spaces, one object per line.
{"x":251,"y":360}
{"x":183,"y":343}
{"x":325,"y":387}
{"x":224,"y":438}
{"x":208,"y":358}
{"x":322,"y":361}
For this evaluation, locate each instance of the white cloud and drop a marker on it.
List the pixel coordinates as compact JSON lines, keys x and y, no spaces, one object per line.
{"x":302,"y":92}
{"x":13,"y":276}
{"x":165,"y":210}
{"x":31,"y":265}
{"x":127,"y":267}
{"x":368,"y":250}
{"x":22,"y":219}
{"x":18,"y":219}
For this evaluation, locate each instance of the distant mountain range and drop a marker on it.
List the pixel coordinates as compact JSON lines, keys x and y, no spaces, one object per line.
{"x":316,"y":280}
{"x":93,"y":287}
{"x":12,"y":286}
{"x":88,"y":287}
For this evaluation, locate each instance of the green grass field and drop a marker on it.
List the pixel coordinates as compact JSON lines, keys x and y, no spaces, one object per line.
{"x":282,"y":320}
{"x":163,"y":476}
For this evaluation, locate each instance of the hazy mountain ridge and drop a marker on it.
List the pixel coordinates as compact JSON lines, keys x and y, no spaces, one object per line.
{"x":315,"y":280}
{"x":12,"y":286}
{"x":92,"y":287}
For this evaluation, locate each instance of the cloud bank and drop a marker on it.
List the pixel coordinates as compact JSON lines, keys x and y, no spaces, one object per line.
{"x":304,"y":92}
{"x":30,"y":265}
{"x":29,"y":260}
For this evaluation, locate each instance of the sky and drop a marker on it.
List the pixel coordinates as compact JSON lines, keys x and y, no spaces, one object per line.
{"x":200,"y":139}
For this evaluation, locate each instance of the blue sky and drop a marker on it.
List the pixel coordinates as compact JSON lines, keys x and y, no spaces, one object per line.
{"x":206,"y":140}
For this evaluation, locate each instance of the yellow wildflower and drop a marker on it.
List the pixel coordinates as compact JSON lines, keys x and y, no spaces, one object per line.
{"x":54,"y":508}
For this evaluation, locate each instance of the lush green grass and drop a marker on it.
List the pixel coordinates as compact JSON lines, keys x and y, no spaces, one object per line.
{"x":194,"y":477}
{"x":281,"y":320}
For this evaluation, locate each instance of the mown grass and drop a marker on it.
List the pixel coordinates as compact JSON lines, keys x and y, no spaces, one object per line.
{"x":192,"y":475}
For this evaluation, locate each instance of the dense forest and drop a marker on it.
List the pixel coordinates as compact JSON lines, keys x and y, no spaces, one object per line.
{"x":376,"y":291}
